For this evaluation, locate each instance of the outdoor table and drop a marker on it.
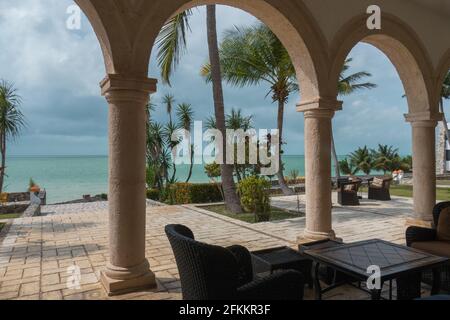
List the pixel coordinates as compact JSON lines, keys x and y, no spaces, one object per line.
{"x":396,"y":262}
{"x":282,"y":258}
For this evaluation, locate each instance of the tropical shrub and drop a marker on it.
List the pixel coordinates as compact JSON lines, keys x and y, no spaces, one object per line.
{"x":186,"y":193}
{"x":205,"y":193}
{"x":180,"y":193}
{"x":213,"y":172}
{"x":153,"y":194}
{"x":254,"y":193}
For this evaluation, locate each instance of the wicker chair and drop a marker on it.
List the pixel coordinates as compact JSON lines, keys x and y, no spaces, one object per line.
{"x":421,"y":238}
{"x":380,"y":193}
{"x":348,"y":192}
{"x":210,"y":272}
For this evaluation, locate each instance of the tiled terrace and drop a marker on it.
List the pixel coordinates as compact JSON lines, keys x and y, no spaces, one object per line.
{"x":35,"y":253}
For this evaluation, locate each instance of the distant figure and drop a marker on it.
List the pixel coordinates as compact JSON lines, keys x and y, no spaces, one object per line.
{"x":34,"y":198}
{"x":398,"y":176}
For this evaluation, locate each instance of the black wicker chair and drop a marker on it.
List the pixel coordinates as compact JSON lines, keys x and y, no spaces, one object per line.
{"x":417,"y":236}
{"x":380,"y":193}
{"x":210,"y":272}
{"x":348,"y":192}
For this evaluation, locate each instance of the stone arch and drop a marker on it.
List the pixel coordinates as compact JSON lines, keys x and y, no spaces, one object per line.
{"x":294,"y":26}
{"x":111,"y":24}
{"x":404,"y":49}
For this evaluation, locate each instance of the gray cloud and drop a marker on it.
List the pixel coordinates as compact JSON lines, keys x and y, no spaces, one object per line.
{"x":58,"y":70}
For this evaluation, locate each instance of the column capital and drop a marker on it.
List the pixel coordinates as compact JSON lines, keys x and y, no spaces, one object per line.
{"x":423,"y":119}
{"x":320,"y":107}
{"x":127,"y":88}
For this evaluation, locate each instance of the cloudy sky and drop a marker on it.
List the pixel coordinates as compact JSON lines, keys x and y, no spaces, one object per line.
{"x":57,"y":72}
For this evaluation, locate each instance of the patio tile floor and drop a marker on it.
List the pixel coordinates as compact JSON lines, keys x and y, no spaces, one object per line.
{"x":36,"y":253}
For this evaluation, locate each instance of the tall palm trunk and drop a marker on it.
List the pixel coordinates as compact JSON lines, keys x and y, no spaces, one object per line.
{"x":191,"y":167}
{"x":281,"y":181}
{"x":337,"y":170}
{"x":229,"y":189}
{"x":447,"y":135}
{"x":3,"y":164}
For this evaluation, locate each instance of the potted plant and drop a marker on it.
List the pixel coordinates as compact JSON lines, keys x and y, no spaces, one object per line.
{"x":33,"y":187}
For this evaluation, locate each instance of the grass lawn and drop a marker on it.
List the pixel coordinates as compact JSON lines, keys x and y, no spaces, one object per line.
{"x":277,"y":214}
{"x":443,"y":182}
{"x":442,"y":194}
{"x":10,"y":216}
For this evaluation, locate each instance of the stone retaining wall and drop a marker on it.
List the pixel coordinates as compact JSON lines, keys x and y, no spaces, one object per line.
{"x":14,"y":207}
{"x":18,"y":196}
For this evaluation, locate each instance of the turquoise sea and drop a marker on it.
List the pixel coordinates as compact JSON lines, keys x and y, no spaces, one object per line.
{"x":70,"y":177}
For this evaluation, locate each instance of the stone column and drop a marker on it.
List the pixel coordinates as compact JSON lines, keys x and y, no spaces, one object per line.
{"x":128,"y":269}
{"x":318,"y":115}
{"x":424,"y":168}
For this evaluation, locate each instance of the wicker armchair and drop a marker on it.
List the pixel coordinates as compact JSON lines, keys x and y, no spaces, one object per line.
{"x":426,"y":239}
{"x":380,"y":193}
{"x":348,"y":192}
{"x":210,"y":272}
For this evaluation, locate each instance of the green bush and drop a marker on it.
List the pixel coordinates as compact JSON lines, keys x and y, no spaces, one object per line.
{"x":180,"y":193}
{"x":153,"y":194}
{"x":254,"y":193}
{"x":205,"y":193}
{"x":186,"y":193}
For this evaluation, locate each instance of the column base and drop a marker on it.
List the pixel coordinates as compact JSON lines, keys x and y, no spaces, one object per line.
{"x":413,"y":222}
{"x":311,"y":236}
{"x":118,"y":281}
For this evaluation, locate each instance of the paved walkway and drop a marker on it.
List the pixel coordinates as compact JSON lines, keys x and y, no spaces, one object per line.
{"x":35,"y":253}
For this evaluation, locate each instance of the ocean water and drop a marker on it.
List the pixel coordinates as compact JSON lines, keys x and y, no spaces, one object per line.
{"x":70,"y":177}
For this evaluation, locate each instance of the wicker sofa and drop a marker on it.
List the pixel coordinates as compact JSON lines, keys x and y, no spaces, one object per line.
{"x":210,"y":272}
{"x":348,"y":192}
{"x":380,"y":191}
{"x":429,"y":240}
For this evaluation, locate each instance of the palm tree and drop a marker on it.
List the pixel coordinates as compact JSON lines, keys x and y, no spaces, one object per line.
{"x":347,"y":85}
{"x":171,"y":45}
{"x":229,"y":187}
{"x":169,"y":132}
{"x":362,"y":159}
{"x":185,"y":117}
{"x":386,"y":158}
{"x":347,"y":167}
{"x":236,"y":121}
{"x":253,"y":55}
{"x":169,"y":101}
{"x":12,"y":121}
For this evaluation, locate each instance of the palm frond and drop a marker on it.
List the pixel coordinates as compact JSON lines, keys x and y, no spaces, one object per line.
{"x":12,"y":120}
{"x":171,"y":44}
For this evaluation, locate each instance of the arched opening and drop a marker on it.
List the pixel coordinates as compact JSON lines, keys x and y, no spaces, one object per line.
{"x":443,"y":91}
{"x":253,"y":100}
{"x":407,"y":55}
{"x":63,"y":147}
